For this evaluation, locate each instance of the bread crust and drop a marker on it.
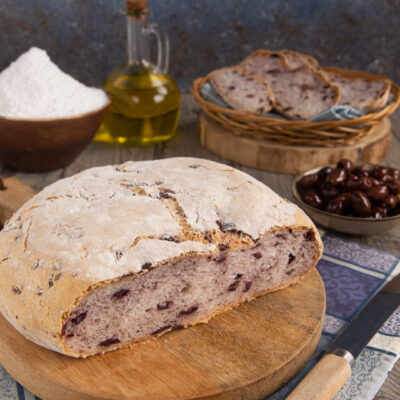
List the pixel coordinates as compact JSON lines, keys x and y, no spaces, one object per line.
{"x":234,"y":104}
{"x":310,"y":61}
{"x":352,"y":75}
{"x":39,"y":289}
{"x":264,"y":52}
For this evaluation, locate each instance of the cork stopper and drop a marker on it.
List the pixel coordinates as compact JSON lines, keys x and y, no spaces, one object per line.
{"x":136,"y":9}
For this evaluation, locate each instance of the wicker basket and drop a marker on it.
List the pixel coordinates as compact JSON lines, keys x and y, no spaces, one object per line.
{"x":306,"y":133}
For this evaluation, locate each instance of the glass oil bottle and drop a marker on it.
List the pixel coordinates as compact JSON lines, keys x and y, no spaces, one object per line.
{"x":145,"y":100}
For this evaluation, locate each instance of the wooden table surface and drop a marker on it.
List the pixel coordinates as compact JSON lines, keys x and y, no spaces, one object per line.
{"x":186,"y":143}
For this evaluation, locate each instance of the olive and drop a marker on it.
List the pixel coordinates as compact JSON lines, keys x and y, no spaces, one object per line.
{"x":308,"y":180}
{"x":346,"y":200}
{"x":328,"y":193}
{"x":335,"y":206}
{"x":319,"y":185}
{"x":324,"y":172}
{"x":358,"y":183}
{"x":375,"y":182}
{"x":336,"y":177}
{"x":360,"y":171}
{"x":361,"y":204}
{"x":378,"y":192}
{"x":379,"y":172}
{"x":395,"y":173}
{"x":393,"y":186}
{"x":390,"y":202}
{"x":365,"y":183}
{"x":353,"y":190}
{"x":311,"y":198}
{"x":353,"y":182}
{"x":379,"y":212}
{"x":345,"y":163}
{"x":386,"y":178}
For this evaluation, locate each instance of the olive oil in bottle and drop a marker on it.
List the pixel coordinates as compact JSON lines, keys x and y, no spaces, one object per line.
{"x":145,"y":100}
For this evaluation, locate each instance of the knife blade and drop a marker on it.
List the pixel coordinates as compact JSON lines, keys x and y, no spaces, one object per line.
{"x":334,"y":369}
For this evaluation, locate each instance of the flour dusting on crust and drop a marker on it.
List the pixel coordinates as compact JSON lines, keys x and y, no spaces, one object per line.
{"x":93,"y":223}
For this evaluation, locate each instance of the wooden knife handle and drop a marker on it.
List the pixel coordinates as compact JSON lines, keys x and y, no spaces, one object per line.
{"x":324,"y":380}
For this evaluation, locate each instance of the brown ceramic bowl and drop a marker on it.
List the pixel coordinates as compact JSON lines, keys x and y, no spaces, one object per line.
{"x":341,"y":223}
{"x":38,"y":145}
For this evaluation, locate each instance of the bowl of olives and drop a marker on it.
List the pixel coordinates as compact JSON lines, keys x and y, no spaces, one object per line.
{"x":356,"y":199}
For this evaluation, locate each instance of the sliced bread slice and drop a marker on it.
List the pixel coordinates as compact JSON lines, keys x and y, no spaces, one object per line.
{"x":303,"y":93}
{"x":267,"y":64}
{"x":298,"y":60}
{"x":242,"y":90}
{"x":360,"y":90}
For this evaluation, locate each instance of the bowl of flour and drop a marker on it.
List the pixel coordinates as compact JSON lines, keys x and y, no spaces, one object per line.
{"x":46,"y":116}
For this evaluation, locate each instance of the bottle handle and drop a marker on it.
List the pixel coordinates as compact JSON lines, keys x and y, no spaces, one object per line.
{"x":162,"y":46}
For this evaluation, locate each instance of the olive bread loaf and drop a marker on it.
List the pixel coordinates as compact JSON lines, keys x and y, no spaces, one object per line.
{"x":118,"y":254}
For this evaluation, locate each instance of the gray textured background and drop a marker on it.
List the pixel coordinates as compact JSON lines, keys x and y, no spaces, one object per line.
{"x":86,"y":38}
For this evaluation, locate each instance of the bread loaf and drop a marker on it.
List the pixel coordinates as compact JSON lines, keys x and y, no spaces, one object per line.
{"x":242,"y":90}
{"x":118,"y":254}
{"x":365,"y":92}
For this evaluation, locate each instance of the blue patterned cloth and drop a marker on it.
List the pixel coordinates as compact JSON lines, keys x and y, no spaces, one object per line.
{"x":352,"y":273}
{"x":337,"y":112}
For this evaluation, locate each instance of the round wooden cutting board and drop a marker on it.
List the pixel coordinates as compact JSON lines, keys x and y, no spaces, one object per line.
{"x":290,"y":159}
{"x":245,"y":353}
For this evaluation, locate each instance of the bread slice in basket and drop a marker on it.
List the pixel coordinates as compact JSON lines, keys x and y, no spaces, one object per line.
{"x":242,"y":90}
{"x":363,"y":91}
{"x":298,"y":60}
{"x":304,"y":93}
{"x":267,"y":64}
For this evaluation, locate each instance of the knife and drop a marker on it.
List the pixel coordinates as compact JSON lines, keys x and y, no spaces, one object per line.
{"x":334,"y":369}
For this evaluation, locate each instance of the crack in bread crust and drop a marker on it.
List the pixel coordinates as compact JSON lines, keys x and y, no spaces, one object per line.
{"x":165,"y":195}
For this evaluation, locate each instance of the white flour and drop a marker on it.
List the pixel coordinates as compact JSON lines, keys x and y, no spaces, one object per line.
{"x":34,"y":87}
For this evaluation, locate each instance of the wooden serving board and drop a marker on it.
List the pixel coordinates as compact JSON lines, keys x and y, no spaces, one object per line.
{"x":290,"y":159}
{"x":245,"y":353}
